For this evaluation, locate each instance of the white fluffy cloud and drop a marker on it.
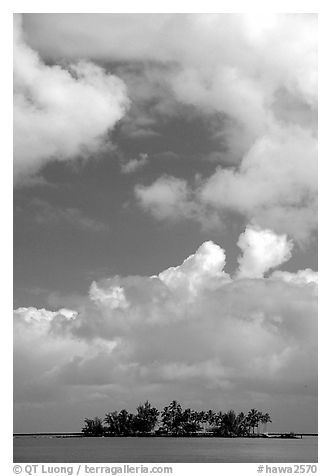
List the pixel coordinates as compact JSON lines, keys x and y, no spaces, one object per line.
{"x":198,"y":271}
{"x":304,"y":276}
{"x":275,"y":185}
{"x":167,"y":197}
{"x":258,"y":72}
{"x":31,"y":314}
{"x":60,"y":113}
{"x":191,"y":332}
{"x":224,"y":39}
{"x":262,"y":250}
{"x":270,"y":101}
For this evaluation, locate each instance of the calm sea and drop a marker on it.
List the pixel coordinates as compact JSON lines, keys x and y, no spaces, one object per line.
{"x":164,"y":450}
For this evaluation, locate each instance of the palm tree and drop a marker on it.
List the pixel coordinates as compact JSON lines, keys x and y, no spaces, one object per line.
{"x":176,"y":421}
{"x":146,"y":418}
{"x":190,"y":423}
{"x":195,"y":416}
{"x":229,"y":424}
{"x":265,"y":419}
{"x":125,"y":421}
{"x":218,"y":418}
{"x":210,"y":417}
{"x":111,"y":420}
{"x":218,"y":423}
{"x":119,"y":423}
{"x":202,"y":418}
{"x":172,"y":417}
{"x":242,"y":424}
{"x":253,"y":418}
{"x":93,"y":427}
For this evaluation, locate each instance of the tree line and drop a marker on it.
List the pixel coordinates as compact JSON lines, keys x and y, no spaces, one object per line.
{"x":175,"y":421}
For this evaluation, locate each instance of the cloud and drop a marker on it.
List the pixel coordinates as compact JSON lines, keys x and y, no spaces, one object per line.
{"x":275,"y":185}
{"x":134,"y":164}
{"x":197,"y":271}
{"x":262,"y":250}
{"x":167,"y":197}
{"x":303,"y":277}
{"x":258,"y":73}
{"x":60,"y":113}
{"x":113,"y":297}
{"x":32,"y":314}
{"x":191,"y":332}
{"x":229,"y":39}
{"x":171,"y":198}
{"x":215,"y":61}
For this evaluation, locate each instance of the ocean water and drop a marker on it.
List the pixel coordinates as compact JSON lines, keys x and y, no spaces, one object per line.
{"x":164,"y":450}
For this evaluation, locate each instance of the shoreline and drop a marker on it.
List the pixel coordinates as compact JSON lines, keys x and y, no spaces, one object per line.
{"x":290,"y":436}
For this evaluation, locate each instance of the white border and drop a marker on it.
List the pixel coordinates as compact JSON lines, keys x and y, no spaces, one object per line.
{"x":324,"y":197}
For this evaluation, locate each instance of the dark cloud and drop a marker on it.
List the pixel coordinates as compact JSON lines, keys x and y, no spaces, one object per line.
{"x":192,"y":327}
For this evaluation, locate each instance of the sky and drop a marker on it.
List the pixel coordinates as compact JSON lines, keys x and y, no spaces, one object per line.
{"x":165,"y":215}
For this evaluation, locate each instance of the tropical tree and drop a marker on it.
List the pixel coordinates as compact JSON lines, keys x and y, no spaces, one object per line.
{"x":126,"y":422}
{"x":195,"y":416}
{"x":202,"y":418}
{"x":242,"y":424}
{"x":216,"y":426}
{"x":254,"y":417}
{"x":111,"y":420}
{"x":218,"y":418}
{"x":229,"y":424}
{"x":210,"y":417}
{"x":145,"y":418}
{"x":190,"y":422}
{"x":93,"y":427}
{"x":119,"y":423}
{"x":172,"y":417}
{"x":175,"y":421}
{"x":265,"y":419}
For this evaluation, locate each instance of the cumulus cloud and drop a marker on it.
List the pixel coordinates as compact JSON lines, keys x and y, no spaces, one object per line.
{"x":234,"y":39}
{"x":199,"y":270}
{"x":275,"y":185}
{"x":60,"y":113}
{"x":32,"y":314}
{"x":257,"y":72}
{"x":167,"y":197}
{"x":191,"y":332}
{"x":262,"y":250}
{"x":229,"y":67}
{"x":304,"y":276}
{"x":114,"y":297}
{"x":171,"y":198}
{"x":191,"y":329}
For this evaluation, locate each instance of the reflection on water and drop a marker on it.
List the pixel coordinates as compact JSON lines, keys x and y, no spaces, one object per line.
{"x":164,"y":450}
